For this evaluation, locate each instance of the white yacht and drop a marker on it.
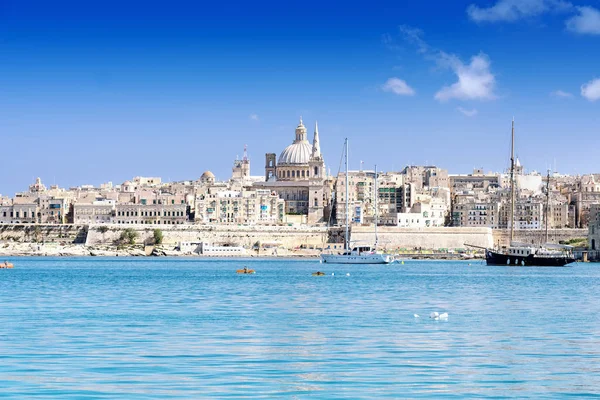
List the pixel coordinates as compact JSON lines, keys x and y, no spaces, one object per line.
{"x":358,"y":254}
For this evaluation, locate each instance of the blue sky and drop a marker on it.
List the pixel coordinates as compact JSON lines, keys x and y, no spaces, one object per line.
{"x":109,"y":90}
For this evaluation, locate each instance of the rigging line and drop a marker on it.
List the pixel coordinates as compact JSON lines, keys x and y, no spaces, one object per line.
{"x":334,"y":197}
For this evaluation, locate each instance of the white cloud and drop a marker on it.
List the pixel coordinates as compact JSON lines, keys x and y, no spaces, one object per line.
{"x":468,"y":113}
{"x":475,"y":81}
{"x":254,"y":117}
{"x":513,"y":10}
{"x":591,"y":90}
{"x":560,"y":93}
{"x":586,"y":22}
{"x":398,"y":86}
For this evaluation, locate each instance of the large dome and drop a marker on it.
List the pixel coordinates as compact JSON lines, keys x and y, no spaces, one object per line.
{"x":296,"y":153}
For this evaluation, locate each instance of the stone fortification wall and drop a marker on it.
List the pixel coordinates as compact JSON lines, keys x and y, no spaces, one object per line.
{"x":538,"y":236}
{"x":219,"y":235}
{"x":39,"y":233}
{"x":392,"y":238}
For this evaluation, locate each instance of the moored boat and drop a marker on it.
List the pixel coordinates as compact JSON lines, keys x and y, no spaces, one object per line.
{"x":358,"y":254}
{"x":520,"y":254}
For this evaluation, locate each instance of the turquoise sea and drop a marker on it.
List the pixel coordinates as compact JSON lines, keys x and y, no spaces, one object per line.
{"x":74,"y":328}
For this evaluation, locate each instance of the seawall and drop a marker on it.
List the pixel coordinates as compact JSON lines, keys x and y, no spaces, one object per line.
{"x":289,"y":237}
{"x":220,"y":235}
{"x":455,"y":238}
{"x":392,"y":238}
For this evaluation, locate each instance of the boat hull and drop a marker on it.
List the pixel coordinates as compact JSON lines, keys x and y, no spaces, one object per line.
{"x":357,"y":259}
{"x":497,"y":258}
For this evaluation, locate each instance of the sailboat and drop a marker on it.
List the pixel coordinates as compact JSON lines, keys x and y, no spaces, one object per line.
{"x":358,"y":254}
{"x":522,"y":254}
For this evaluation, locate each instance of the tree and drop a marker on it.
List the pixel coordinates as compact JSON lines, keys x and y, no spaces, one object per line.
{"x":103,"y":229}
{"x":257,"y":246}
{"x":128,"y":236}
{"x":36,"y":233}
{"x":158,"y":236}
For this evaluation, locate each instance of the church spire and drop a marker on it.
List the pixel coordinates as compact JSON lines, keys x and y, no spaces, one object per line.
{"x":316,"y":150}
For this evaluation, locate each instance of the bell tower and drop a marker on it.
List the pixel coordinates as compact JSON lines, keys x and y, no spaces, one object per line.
{"x":270,"y":166}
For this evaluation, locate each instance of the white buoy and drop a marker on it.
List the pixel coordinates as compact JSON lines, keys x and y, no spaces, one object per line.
{"x":348,"y":274}
{"x":333,"y":273}
{"x":434,"y":315}
{"x":416,"y":315}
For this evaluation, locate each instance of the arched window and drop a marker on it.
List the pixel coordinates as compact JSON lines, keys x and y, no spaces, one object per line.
{"x":288,"y":174}
{"x":293,"y":174}
{"x":303,"y":173}
{"x":316,"y":171}
{"x":298,"y":174}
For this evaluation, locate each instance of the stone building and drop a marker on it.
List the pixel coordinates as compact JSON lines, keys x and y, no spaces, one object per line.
{"x":96,"y":212}
{"x":298,"y":176}
{"x":258,"y":206}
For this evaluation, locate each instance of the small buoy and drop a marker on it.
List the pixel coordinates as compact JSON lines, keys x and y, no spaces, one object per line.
{"x":416,"y":315}
{"x":434,"y":315}
{"x":402,"y":263}
{"x":333,"y":273}
{"x":348,"y":274}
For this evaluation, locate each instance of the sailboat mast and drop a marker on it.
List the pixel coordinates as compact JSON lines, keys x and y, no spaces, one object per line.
{"x":547,"y":203}
{"x":512,"y":182}
{"x":376,"y":210}
{"x":346,"y":242}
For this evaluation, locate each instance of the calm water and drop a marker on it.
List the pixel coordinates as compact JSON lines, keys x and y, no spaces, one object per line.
{"x":173,"y":328}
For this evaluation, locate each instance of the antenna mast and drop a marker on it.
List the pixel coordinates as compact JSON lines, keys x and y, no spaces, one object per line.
{"x":547,"y":203}
{"x":346,"y":242}
{"x":376,"y":210}
{"x":512,"y":182}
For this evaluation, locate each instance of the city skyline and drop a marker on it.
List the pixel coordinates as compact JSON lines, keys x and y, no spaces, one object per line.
{"x":107,"y":93}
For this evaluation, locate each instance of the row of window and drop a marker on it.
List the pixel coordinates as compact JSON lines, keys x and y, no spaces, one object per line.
{"x":151,"y":222}
{"x":17,"y":213}
{"x":150,"y":214}
{"x":296,"y":174}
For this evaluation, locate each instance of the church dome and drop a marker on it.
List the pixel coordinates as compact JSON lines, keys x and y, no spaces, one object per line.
{"x":296,"y":153}
{"x":207,"y":175}
{"x":299,"y":151}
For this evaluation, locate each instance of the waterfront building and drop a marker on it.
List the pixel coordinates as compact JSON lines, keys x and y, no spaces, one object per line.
{"x":165,"y":214}
{"x":18,"y":213}
{"x":96,"y":212}
{"x":250,"y":207}
{"x":298,"y":177}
